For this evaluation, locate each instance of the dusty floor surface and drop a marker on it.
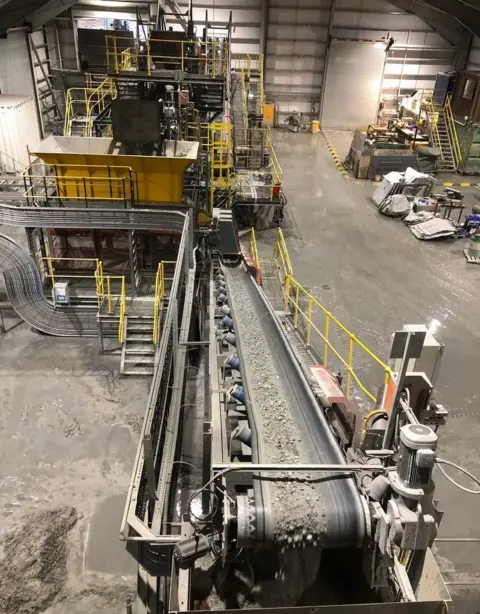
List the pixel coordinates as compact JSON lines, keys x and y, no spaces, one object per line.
{"x":376,"y":276}
{"x":69,"y":428}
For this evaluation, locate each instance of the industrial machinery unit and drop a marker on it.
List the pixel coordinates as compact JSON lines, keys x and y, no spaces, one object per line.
{"x":296,"y":496}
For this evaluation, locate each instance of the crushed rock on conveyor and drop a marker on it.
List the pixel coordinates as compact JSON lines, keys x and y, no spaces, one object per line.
{"x":298,"y":513}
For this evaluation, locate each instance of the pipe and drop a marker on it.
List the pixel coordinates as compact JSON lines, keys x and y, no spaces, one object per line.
{"x":328,"y":468}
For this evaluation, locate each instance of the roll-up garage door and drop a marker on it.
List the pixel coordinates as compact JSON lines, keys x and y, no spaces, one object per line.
{"x":352,"y":87}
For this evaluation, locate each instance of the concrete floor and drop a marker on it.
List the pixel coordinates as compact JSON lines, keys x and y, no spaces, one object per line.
{"x":375,"y":276}
{"x":69,"y":428}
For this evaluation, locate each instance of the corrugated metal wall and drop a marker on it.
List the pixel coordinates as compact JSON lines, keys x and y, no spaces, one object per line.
{"x":247,"y":19}
{"x":473,"y":62}
{"x":415,"y":58}
{"x":297,"y":36}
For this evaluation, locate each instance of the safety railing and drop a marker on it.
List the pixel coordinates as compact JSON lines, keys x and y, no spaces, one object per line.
{"x":9,"y":164}
{"x":160,"y":293}
{"x":104,"y":293}
{"x":244,"y":100}
{"x":97,"y":102}
{"x":336,"y":345}
{"x":256,"y":261}
{"x":452,"y":130}
{"x":433,"y":124}
{"x":221,"y":158}
{"x":265,"y":183}
{"x":195,"y":57}
{"x":158,"y":301}
{"x":93,"y":183}
{"x":82,"y":104}
{"x":76,"y":109}
{"x":250,"y":62}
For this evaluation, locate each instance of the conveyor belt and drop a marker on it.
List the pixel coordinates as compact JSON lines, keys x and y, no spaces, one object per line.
{"x":338,"y":497}
{"x":22,"y":279}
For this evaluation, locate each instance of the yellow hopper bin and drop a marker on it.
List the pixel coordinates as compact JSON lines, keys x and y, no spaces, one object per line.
{"x":96,"y":168}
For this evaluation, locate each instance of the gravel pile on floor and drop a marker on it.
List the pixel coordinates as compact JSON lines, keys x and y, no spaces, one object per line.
{"x":299,"y":517}
{"x":33,"y":561}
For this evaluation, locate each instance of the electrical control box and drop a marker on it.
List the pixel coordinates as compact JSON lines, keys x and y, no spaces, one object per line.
{"x":60,"y":293}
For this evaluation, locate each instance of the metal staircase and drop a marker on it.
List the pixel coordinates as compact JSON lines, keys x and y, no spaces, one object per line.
{"x":240,"y":121}
{"x":12,"y":183}
{"x":255,"y":97}
{"x":443,"y":134}
{"x":138,"y":350}
{"x":441,"y":139}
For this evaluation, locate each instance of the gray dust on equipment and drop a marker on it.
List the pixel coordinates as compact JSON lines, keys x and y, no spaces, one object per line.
{"x":299,"y":517}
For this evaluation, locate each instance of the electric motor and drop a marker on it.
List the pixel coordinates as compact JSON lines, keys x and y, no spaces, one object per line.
{"x":416,"y":455}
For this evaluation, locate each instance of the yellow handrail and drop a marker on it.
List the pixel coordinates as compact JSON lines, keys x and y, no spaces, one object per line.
{"x":103,"y":288}
{"x":244,"y":100}
{"x":157,"y":303}
{"x":97,"y":99}
{"x":123,"y":310}
{"x":434,"y":126}
{"x":457,"y":152}
{"x":201,"y":57}
{"x":295,"y":294}
{"x":159,"y":297}
{"x":256,"y":261}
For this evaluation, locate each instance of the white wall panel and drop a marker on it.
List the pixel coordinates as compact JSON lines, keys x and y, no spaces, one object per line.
{"x":353,"y":83}
{"x":417,"y":54}
{"x":297,"y":32}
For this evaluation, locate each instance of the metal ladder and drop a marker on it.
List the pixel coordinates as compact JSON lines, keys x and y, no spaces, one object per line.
{"x":43,"y":61}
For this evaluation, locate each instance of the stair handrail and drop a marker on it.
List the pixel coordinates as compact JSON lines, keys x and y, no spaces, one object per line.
{"x":106,"y":88}
{"x":123,"y":311}
{"x":157,"y":303}
{"x":244,"y":99}
{"x":434,"y":126}
{"x":11,"y":165}
{"x":452,"y":130}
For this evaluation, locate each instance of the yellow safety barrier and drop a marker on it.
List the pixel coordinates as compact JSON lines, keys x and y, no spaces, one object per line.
{"x":256,"y":261}
{"x":334,"y":342}
{"x":198,"y":57}
{"x":221,"y":158}
{"x":433,"y":121}
{"x":244,"y":100}
{"x":103,"y":286}
{"x":158,"y":301}
{"x":86,"y":182}
{"x":97,"y":101}
{"x":457,"y":152}
{"x":159,"y":297}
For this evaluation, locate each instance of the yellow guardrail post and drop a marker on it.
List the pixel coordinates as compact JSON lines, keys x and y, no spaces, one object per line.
{"x":109,"y":296}
{"x":309,"y":320}
{"x":327,"y":330}
{"x":50,"y":268}
{"x":453,"y":130}
{"x":287,"y":294}
{"x":297,"y":298}
{"x":350,"y":363}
